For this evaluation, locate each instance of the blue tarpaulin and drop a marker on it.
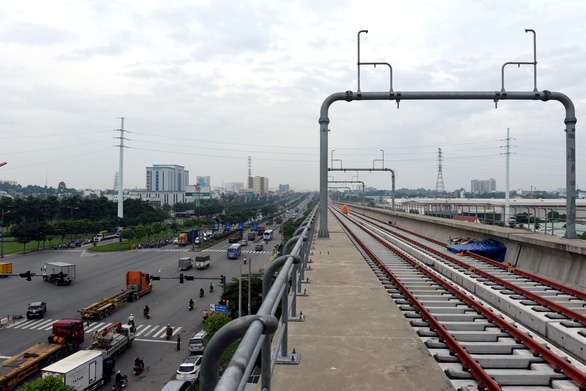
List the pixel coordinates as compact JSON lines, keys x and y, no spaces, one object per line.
{"x":487,"y":248}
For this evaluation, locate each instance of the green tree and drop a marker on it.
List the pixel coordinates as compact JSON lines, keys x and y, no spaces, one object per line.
{"x":24,"y":233}
{"x":49,"y":383}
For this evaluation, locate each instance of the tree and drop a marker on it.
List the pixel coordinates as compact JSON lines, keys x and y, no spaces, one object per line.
{"x":24,"y":233}
{"x":49,"y":383}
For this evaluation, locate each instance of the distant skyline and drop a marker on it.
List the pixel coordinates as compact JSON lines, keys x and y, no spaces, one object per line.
{"x":205,"y":84}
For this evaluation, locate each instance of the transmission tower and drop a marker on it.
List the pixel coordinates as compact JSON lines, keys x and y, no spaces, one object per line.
{"x":439,"y":184}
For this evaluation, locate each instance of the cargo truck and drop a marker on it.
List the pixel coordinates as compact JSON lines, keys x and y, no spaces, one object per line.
{"x":188,"y":236}
{"x":59,"y":273}
{"x":236,"y":238}
{"x":185,"y":263}
{"x":202,"y":262}
{"x":279,"y":219}
{"x":113,"y":340}
{"x":137,"y":285}
{"x":251,"y":235}
{"x":67,"y":335}
{"x":5,"y":268}
{"x":84,"y":371}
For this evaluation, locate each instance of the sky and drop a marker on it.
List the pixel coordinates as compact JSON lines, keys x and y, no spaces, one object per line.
{"x":206,"y":84}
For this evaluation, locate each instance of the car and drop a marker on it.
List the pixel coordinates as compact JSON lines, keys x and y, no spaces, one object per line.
{"x":176,"y":241}
{"x":36,"y":309}
{"x":197,"y":342}
{"x":243,"y":242}
{"x":189,"y":368}
{"x":178,"y":385}
{"x":258,"y":247}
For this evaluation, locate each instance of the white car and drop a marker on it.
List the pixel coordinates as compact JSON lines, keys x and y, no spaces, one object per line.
{"x":176,"y":241}
{"x":189,"y":368}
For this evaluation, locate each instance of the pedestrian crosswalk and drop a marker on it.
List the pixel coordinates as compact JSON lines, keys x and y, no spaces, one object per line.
{"x":142,"y":331}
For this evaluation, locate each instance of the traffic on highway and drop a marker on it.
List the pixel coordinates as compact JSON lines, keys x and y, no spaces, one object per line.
{"x":111,"y":288}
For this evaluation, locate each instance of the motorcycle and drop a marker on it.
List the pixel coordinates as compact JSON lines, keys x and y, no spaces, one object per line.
{"x":201,"y":292}
{"x":211,"y":288}
{"x":138,"y":369}
{"x":123,"y":383}
{"x":190,"y":306}
{"x":147,"y":314}
{"x":169,"y":333}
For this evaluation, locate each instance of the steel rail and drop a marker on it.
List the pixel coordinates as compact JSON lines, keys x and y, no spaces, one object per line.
{"x":573,"y":315}
{"x":468,"y":362}
{"x":559,"y":364}
{"x":544,"y":281}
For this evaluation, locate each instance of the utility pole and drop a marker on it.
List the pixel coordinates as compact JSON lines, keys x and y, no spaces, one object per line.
{"x":121,"y":171}
{"x":507,"y":182}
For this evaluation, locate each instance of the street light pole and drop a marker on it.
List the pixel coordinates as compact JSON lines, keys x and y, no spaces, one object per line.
{"x":2,"y":232}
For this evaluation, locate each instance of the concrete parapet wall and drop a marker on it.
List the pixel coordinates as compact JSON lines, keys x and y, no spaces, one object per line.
{"x":561,"y":260}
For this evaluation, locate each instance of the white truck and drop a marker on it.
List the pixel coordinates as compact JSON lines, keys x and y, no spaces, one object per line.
{"x":185,"y":263}
{"x":113,"y":340}
{"x":202,"y":262}
{"x":59,"y":273}
{"x":85,"y":370}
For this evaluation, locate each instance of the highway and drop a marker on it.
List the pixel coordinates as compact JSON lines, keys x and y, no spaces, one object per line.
{"x":103,"y":275}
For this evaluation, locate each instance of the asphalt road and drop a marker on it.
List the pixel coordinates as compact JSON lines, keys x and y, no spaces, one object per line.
{"x":103,"y":275}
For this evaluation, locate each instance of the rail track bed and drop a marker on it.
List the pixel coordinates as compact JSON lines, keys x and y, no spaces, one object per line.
{"x":489,"y":326}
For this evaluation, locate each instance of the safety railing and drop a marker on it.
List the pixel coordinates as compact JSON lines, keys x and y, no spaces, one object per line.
{"x":257,"y":330}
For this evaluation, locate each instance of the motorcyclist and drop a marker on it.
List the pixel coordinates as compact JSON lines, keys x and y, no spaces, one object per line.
{"x":169,"y":330}
{"x":205,"y":313}
{"x":211,"y":287}
{"x":138,"y":363}
{"x":131,"y":319}
{"x":201,"y":292}
{"x":118,"y":379}
{"x":191,"y":303}
{"x":146,"y":310}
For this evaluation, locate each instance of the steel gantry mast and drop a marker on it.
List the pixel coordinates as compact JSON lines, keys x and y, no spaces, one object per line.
{"x":495,"y":96}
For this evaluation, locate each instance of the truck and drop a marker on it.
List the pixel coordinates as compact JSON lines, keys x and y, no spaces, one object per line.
{"x":85,"y":370}
{"x":113,"y":340}
{"x":104,"y":235}
{"x":279,"y":219}
{"x":202,"y":262}
{"x":251,"y":235}
{"x":188,"y":236}
{"x":236,"y":238}
{"x":185,"y":263}
{"x":5,"y":268}
{"x":59,"y":273}
{"x":137,"y":285}
{"x":67,"y":335}
{"x":270,"y":221}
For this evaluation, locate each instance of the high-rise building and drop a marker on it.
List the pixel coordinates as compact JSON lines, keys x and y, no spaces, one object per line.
{"x":260,"y":185}
{"x":166,"y":177}
{"x":283,"y":188}
{"x":483,"y":185}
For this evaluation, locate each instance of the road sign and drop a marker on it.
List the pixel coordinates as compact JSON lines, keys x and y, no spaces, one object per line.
{"x":218,"y":308}
{"x":254,"y":226}
{"x":240,"y":226}
{"x":216,"y":225}
{"x":227,"y":226}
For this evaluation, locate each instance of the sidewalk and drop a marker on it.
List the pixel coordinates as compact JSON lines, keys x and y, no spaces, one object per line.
{"x":354,"y":336}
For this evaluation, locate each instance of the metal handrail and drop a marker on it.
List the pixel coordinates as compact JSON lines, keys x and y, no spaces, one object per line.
{"x":256,"y":330}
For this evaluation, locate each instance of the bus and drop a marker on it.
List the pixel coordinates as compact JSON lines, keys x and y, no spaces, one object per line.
{"x":268,"y":235}
{"x":234,"y":251}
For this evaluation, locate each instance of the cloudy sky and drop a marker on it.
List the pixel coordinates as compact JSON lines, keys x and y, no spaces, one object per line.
{"x":205,"y":84}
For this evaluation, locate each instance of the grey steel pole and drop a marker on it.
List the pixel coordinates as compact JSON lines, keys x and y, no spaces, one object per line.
{"x":121,"y":173}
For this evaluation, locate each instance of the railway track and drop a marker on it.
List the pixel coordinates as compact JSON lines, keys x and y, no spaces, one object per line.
{"x":489,"y":327}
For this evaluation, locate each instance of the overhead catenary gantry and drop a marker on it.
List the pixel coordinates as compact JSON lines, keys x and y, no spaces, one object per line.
{"x":495,"y":96}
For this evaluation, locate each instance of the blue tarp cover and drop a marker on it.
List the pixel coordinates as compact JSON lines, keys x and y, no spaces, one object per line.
{"x":487,"y":248}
